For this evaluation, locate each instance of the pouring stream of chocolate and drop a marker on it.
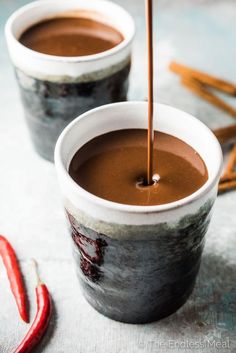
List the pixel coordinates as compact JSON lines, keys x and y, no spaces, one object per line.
{"x":150,"y":142}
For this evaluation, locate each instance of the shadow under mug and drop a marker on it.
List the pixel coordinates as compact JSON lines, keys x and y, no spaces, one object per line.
{"x":54,"y":90}
{"x":137,"y":264}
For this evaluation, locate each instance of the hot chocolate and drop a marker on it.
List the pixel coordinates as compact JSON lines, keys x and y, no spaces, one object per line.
{"x":69,"y":57}
{"x":70,"y":36}
{"x":135,"y":264}
{"x":113,"y":167}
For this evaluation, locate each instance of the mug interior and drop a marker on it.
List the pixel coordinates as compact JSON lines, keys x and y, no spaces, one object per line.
{"x":100,"y":10}
{"x":130,"y":115}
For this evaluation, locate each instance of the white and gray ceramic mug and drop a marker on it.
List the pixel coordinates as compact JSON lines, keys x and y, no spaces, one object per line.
{"x":55,"y":89}
{"x":137,"y":264}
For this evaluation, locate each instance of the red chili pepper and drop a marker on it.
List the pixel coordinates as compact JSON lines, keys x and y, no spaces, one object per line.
{"x":41,"y":321}
{"x":14,"y":275}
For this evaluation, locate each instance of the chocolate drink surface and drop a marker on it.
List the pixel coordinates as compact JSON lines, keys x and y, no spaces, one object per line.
{"x":113,"y":167}
{"x":70,"y":36}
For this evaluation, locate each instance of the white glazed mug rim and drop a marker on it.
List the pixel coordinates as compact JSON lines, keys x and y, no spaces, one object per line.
{"x":210,"y":183}
{"x":70,"y":59}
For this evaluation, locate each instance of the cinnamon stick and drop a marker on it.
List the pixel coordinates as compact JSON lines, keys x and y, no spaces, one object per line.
{"x":228,"y":177}
{"x":231,"y":161}
{"x":226,"y":134}
{"x":227,"y":186}
{"x":215,"y":82}
{"x":228,"y":180}
{"x":200,"y":89}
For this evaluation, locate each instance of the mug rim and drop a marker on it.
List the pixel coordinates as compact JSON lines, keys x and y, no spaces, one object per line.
{"x":70,"y":59}
{"x":204,"y":189}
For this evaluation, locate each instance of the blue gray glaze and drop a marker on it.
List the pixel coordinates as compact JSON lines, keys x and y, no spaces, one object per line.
{"x":139,"y":281}
{"x":50,"y":106}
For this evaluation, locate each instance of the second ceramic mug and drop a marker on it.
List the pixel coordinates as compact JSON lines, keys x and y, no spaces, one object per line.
{"x":137,"y":264}
{"x":54,"y":90}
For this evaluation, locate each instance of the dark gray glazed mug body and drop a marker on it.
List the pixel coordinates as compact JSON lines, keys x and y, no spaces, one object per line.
{"x":50,"y":106}
{"x":137,"y":264}
{"x":55,"y":90}
{"x":141,"y":280}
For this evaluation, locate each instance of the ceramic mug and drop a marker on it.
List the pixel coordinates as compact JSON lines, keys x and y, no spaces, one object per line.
{"x":55,"y":89}
{"x":137,"y":264}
